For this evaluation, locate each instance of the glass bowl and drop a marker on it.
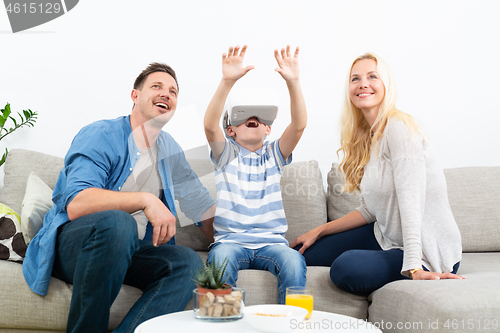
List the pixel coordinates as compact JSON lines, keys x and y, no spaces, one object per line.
{"x":213,"y":307}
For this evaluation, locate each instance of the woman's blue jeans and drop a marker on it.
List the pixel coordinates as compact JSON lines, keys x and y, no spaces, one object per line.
{"x":357,"y":262}
{"x":99,"y":252}
{"x":286,"y":264}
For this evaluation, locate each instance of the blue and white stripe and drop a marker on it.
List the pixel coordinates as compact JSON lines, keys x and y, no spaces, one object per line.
{"x":249,"y":204}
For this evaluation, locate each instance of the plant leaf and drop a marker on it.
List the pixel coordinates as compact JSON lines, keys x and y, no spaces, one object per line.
{"x":3,"y":111}
{"x":15,"y":123}
{"x":6,"y":111}
{"x":2,"y":161}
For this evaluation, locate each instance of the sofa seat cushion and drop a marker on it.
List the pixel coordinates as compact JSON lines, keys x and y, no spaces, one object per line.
{"x":432,"y":306}
{"x":23,"y":309}
{"x":261,"y":287}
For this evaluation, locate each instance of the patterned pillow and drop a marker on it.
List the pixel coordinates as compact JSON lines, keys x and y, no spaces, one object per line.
{"x":12,"y":245}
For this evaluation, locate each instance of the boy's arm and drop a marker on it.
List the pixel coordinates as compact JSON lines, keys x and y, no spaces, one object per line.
{"x":232,"y":71}
{"x":289,"y":70}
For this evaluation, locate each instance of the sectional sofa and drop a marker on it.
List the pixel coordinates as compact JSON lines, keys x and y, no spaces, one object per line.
{"x":470,"y":305}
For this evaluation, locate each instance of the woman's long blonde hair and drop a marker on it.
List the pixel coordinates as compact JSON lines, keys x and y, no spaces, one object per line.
{"x":357,"y":137}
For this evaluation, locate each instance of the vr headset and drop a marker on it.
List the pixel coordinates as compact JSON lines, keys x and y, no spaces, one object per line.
{"x":244,"y":104}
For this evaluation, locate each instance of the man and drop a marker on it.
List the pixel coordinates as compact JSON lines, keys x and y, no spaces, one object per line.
{"x":113,"y":218}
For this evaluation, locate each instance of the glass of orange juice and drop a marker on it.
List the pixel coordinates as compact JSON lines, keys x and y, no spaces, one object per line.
{"x":300,"y":296}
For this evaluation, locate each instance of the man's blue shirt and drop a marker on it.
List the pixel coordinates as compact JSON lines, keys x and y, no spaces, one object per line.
{"x":103,"y":155}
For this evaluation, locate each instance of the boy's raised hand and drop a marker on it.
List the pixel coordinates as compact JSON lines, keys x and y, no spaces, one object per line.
{"x":288,"y":64}
{"x":232,"y":64}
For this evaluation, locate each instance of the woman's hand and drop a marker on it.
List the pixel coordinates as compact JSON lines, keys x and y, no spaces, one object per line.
{"x":232,"y":64}
{"x":350,"y":221}
{"x":306,"y":240}
{"x":424,"y":275}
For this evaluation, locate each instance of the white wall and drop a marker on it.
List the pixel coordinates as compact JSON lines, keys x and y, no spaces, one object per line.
{"x":80,"y":67}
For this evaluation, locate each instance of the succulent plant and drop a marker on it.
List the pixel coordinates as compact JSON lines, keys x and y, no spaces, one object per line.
{"x":211,"y":275}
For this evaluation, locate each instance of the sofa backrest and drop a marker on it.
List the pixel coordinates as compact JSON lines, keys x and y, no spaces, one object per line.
{"x":473,"y":193}
{"x":302,"y":189}
{"x":17,"y":168}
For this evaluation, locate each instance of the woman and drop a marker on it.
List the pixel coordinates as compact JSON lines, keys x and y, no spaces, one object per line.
{"x":404,"y":227}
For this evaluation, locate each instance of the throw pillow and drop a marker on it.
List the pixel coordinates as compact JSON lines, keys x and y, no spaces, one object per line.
{"x":339,"y":202}
{"x":12,"y":245}
{"x":36,"y":203}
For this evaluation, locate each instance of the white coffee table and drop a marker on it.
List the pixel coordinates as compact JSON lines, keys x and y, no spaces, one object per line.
{"x":186,"y":322}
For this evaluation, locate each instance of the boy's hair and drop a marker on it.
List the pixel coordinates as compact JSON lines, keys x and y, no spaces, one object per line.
{"x":153,"y":68}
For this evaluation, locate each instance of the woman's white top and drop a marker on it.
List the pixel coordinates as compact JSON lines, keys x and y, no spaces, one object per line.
{"x":404,"y":193}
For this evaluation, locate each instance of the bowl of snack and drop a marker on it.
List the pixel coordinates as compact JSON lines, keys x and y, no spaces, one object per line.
{"x":274,"y":317}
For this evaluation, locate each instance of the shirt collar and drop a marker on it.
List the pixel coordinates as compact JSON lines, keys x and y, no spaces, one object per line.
{"x":245,"y":152}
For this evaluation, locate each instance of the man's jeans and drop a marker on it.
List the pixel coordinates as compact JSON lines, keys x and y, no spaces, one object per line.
{"x":99,"y":252}
{"x":286,"y":264}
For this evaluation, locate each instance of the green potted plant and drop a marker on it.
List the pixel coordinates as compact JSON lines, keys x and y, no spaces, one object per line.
{"x":29,"y":120}
{"x":213,"y":297}
{"x":209,"y":278}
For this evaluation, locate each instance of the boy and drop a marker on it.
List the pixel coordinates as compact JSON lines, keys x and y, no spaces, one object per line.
{"x":250,"y":222}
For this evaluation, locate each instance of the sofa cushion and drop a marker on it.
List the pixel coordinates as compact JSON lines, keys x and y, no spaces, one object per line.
{"x":19,"y":165}
{"x":186,"y":233}
{"x":303,"y":199}
{"x":23,"y":309}
{"x":12,"y":245}
{"x":428,"y":306}
{"x":36,"y":203}
{"x":473,"y":193}
{"x":261,"y":287}
{"x":339,"y":202}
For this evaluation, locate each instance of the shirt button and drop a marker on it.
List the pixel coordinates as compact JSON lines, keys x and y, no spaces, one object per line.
{"x":119,"y":188}
{"x":130,"y":169}
{"x":138,"y":154}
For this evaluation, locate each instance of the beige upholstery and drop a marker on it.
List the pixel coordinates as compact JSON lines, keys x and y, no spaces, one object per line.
{"x":473,"y":194}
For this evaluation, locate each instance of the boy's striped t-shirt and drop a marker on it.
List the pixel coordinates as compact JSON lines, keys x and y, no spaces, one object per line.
{"x":249,"y":205}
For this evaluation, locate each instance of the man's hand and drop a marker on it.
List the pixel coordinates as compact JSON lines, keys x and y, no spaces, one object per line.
{"x":162,"y":220}
{"x":288,"y":64}
{"x":232,"y":64}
